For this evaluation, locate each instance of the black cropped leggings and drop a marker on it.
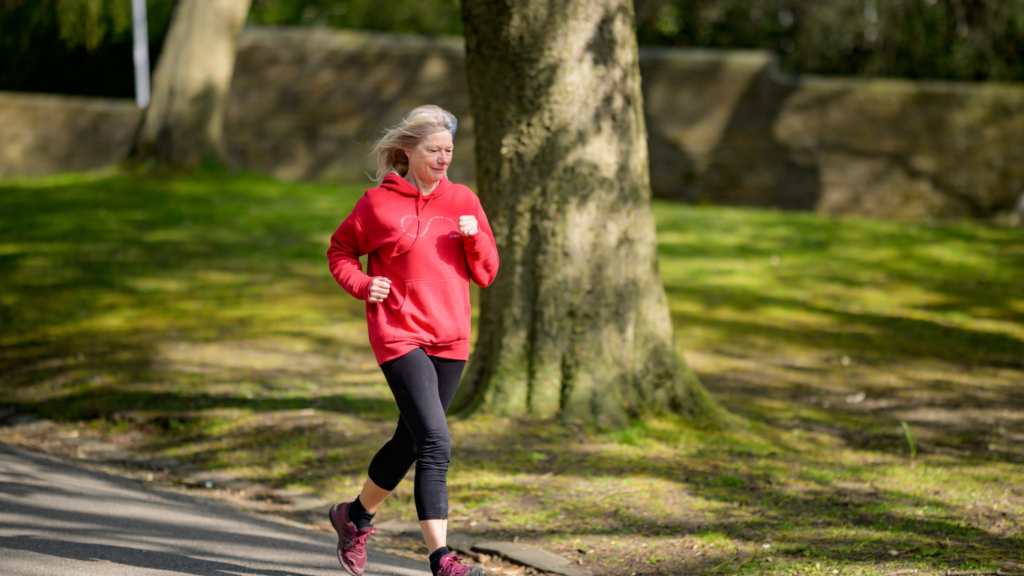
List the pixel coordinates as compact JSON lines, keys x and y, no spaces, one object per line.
{"x":423,"y":387}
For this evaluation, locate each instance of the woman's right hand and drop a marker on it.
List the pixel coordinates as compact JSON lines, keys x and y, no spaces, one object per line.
{"x":379,"y":289}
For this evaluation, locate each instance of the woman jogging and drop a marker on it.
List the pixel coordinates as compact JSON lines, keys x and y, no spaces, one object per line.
{"x":426,"y":239}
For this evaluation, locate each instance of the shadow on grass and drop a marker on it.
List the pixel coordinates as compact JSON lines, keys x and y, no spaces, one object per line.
{"x":169,"y":254}
{"x":810,"y":505}
{"x":96,"y":404}
{"x":97,"y":273}
{"x":963,"y":267}
{"x":860,"y":332}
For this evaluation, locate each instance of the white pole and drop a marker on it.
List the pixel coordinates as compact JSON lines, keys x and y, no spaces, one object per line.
{"x":871,"y":15}
{"x":140,"y":52}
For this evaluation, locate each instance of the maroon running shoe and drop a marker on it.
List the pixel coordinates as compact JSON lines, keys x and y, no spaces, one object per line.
{"x":351,"y":542}
{"x":451,"y":565}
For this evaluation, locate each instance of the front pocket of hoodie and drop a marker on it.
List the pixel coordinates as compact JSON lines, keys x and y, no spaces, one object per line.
{"x":434,"y":311}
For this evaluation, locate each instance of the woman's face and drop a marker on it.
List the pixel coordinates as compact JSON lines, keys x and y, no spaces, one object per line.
{"x":429,"y":159}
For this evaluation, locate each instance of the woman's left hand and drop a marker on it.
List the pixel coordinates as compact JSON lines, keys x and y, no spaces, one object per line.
{"x":467,"y":225}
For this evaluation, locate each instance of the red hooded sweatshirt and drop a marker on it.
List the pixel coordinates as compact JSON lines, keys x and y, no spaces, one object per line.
{"x":414,"y":241}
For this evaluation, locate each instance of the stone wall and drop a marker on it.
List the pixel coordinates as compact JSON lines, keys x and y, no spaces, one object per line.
{"x":725,"y":127}
{"x":43,"y":134}
{"x":900,"y":149}
{"x":310,"y":103}
{"x":728,"y":128}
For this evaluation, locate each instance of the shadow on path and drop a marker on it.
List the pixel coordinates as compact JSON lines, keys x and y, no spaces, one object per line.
{"x":65,"y":513}
{"x":102,"y":553}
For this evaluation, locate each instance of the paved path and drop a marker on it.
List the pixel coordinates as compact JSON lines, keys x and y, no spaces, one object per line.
{"x":57,"y":518}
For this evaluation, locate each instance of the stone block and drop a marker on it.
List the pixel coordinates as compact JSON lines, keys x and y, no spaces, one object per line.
{"x":530,"y":556}
{"x":395,"y":526}
{"x":462,"y":542}
{"x":43,"y":134}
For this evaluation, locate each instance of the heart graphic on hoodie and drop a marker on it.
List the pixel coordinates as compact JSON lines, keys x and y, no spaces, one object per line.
{"x":413,"y":234}
{"x":412,"y":230}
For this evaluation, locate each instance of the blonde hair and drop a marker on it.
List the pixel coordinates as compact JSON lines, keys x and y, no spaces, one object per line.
{"x":417,"y":125}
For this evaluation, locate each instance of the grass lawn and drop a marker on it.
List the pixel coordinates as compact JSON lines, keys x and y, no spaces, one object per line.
{"x":194,"y":318}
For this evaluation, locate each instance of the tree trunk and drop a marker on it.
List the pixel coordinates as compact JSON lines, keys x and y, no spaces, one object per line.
{"x":185,"y":120}
{"x":577,"y":322}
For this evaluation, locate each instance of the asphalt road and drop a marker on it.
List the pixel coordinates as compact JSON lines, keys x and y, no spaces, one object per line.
{"x":57,"y":518}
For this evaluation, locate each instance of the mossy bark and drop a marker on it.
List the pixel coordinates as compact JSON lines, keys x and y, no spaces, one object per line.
{"x":184,"y":122}
{"x":577,"y":323}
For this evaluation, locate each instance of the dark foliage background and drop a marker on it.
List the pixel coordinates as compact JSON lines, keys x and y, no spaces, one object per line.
{"x":84,"y":46}
{"x":74,"y":46}
{"x":409,"y":16}
{"x":943,"y":39}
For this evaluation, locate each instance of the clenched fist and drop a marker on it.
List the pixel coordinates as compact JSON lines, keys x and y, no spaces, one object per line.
{"x":467,"y":225}
{"x":379,"y":289}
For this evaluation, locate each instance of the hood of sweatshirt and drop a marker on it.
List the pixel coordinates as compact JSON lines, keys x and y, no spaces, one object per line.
{"x":411,"y":233}
{"x":396,"y":183}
